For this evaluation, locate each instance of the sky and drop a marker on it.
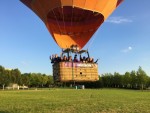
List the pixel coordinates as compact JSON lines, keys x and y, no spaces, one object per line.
{"x":122,"y":43}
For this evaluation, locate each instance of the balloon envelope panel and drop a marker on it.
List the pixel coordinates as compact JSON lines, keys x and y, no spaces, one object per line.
{"x":72,"y":22}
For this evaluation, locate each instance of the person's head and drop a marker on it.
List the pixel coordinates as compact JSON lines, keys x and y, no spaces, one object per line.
{"x":53,"y":56}
{"x":87,"y":60}
{"x":64,"y":58}
{"x":75,"y":57}
{"x":70,"y":58}
{"x":91,"y":59}
{"x":56,"y":55}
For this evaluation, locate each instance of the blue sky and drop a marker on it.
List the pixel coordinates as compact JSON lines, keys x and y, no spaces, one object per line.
{"x":122,"y":42}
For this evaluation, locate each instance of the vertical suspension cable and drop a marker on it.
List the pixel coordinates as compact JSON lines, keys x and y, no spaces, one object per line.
{"x":62,"y":12}
{"x":57,"y":21}
{"x":63,"y":19}
{"x":77,"y":21}
{"x":72,"y":13}
{"x":93,"y":11}
{"x":83,"y":10}
{"x":82,"y":17}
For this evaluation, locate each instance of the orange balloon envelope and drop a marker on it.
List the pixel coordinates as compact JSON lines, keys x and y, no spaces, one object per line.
{"x":72,"y":22}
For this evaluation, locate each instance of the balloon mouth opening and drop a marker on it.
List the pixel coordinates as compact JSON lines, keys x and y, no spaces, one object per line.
{"x":68,"y":16}
{"x":72,"y":25}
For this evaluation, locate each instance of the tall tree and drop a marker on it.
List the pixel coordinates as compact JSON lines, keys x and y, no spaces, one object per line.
{"x":7,"y":76}
{"x":26,"y":79}
{"x":44,"y":79}
{"x":50,"y":81}
{"x":133,"y":79}
{"x":148,"y":83}
{"x":16,"y":76}
{"x":117,"y":79}
{"x":127,"y":80}
{"x":107,"y":80}
{"x":142,"y":78}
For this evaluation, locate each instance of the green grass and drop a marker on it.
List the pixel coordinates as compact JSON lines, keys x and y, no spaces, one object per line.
{"x":75,"y":101}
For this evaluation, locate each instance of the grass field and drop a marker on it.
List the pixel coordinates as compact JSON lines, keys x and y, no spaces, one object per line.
{"x":75,"y":101}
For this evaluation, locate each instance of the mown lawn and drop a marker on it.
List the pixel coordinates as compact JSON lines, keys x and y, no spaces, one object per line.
{"x":75,"y":101}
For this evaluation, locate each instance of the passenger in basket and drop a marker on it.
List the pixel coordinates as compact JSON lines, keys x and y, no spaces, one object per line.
{"x":91,"y":60}
{"x":82,"y":59}
{"x":70,"y":59}
{"x":61,"y":58}
{"x":56,"y":58}
{"x":75,"y":58}
{"x":87,"y":60}
{"x":52,"y":58}
{"x":65,"y":58}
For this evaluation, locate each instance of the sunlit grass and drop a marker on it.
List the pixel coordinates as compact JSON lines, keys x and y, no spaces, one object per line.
{"x":75,"y":101}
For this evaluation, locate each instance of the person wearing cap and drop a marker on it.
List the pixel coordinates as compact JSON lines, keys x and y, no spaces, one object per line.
{"x":75,"y":58}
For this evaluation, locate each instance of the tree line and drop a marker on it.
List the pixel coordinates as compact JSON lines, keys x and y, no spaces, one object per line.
{"x":14,"y":76}
{"x":131,"y":80}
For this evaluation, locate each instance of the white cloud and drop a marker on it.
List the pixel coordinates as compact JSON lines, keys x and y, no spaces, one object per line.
{"x":24,"y":63}
{"x":126,"y":50}
{"x":118,"y":20}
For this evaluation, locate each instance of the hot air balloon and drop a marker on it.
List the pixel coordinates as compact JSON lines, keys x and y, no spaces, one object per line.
{"x":72,"y":23}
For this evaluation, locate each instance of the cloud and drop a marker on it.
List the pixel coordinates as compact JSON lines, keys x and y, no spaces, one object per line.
{"x":118,"y":20}
{"x":24,"y":63}
{"x":126,"y":50}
